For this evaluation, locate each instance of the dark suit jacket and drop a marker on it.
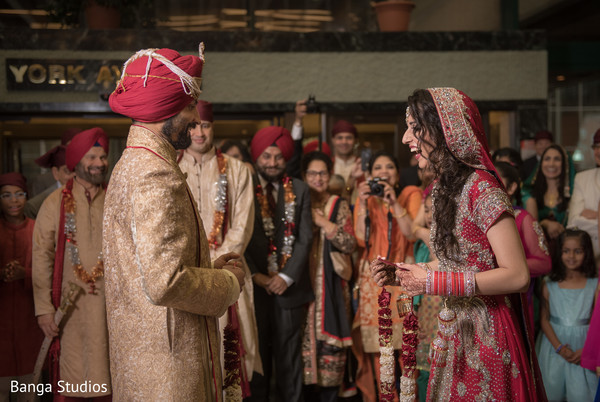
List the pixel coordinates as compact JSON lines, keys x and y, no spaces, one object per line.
{"x":300,"y":292}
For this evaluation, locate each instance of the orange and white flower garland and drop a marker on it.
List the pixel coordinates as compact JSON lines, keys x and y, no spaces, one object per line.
{"x":73,"y":250}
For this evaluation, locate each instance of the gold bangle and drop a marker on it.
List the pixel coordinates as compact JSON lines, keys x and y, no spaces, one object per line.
{"x":401,"y":215}
{"x":414,"y":230}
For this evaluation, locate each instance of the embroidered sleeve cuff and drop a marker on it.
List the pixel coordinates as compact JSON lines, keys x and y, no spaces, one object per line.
{"x":235,"y":292}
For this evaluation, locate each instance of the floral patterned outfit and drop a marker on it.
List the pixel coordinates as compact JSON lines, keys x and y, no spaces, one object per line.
{"x":324,"y":353}
{"x":488,"y":355}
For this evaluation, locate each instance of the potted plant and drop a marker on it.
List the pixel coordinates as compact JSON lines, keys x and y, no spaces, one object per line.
{"x":101,"y":14}
{"x":393,"y":15}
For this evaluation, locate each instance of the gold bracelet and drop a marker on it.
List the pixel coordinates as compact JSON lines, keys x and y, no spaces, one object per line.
{"x":401,"y":215}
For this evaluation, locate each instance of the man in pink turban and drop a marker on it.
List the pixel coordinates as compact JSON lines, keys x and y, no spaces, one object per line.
{"x":160,"y":281}
{"x":67,"y":247}
{"x":278,"y":259}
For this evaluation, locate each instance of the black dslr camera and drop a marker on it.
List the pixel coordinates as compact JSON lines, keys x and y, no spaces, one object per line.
{"x":311,"y":105}
{"x":376,"y":188}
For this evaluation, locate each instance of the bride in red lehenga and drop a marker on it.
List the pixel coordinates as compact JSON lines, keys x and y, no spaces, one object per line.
{"x":482,"y":351}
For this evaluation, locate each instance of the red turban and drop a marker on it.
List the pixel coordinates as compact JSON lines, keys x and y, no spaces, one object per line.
{"x":314,"y":146}
{"x":82,"y":143}
{"x":272,"y":136}
{"x":204,"y":109}
{"x":342,"y":126}
{"x":151,"y":93}
{"x":13,"y":179}
{"x":56,"y":157}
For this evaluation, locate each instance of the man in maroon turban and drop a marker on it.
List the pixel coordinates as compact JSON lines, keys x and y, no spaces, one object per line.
{"x":278,"y":259}
{"x":160,"y":281}
{"x":343,"y":141}
{"x":55,"y":161}
{"x":67,"y":247}
{"x":542,"y":140}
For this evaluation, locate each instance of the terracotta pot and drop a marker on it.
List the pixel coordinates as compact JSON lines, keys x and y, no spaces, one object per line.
{"x":393,"y":15}
{"x":101,"y":17}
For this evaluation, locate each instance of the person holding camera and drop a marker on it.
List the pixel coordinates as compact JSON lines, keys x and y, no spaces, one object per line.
{"x":380,"y":224}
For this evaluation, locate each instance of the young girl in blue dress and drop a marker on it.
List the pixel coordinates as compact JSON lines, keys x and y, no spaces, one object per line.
{"x":568,"y":297}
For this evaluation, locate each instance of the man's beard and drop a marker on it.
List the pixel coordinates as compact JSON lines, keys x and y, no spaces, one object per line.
{"x":268,"y":177}
{"x":183,"y":135}
{"x":96,"y":178}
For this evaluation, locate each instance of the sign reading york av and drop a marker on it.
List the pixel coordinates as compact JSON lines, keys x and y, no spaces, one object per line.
{"x":62,"y":75}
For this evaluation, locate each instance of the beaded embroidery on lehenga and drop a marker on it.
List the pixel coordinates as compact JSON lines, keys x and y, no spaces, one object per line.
{"x":480,"y":352}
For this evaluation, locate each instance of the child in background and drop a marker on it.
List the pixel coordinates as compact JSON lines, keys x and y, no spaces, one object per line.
{"x":532,"y":237}
{"x":427,"y":307}
{"x":567,"y":301}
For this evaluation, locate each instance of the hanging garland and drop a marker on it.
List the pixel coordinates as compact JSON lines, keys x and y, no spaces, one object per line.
{"x":386,"y":348}
{"x":73,"y":250}
{"x":267,"y":217}
{"x":215,"y":238}
{"x":410,"y":340}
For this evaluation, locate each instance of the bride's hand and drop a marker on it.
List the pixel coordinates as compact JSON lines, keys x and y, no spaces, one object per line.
{"x":412,"y":277}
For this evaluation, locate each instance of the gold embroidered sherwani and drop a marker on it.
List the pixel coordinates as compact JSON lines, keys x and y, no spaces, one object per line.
{"x":83,"y":335}
{"x":162,"y":296}
{"x":202,"y":177}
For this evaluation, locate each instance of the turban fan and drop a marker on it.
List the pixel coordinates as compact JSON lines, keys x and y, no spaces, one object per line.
{"x":205,"y":110}
{"x":13,"y":179}
{"x":343,"y":126}
{"x":68,"y":135}
{"x":82,"y":143}
{"x":56,"y":157}
{"x":160,"y":94}
{"x":272,"y":135}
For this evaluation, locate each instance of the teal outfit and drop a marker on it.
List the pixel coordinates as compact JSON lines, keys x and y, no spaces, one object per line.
{"x":570,"y":312}
{"x":546,"y":212}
